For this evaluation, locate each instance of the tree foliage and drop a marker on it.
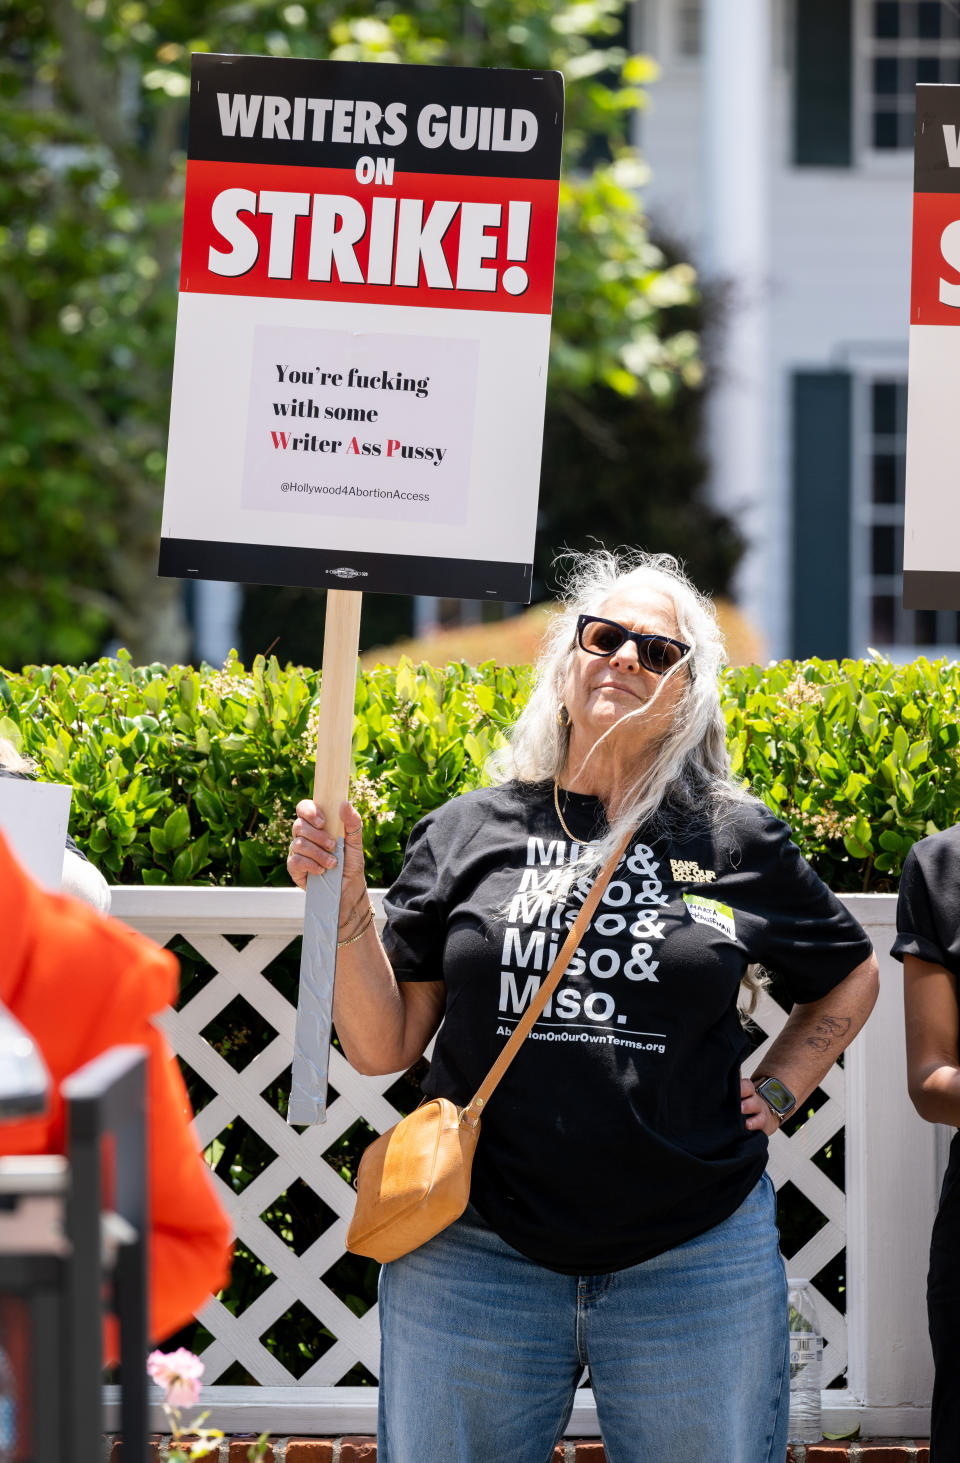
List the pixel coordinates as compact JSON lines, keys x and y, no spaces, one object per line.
{"x":93,"y":100}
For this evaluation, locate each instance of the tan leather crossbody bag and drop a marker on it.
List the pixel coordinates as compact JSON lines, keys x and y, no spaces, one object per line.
{"x":414,"y":1180}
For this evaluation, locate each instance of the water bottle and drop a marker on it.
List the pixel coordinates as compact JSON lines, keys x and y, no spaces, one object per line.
{"x":806,"y":1351}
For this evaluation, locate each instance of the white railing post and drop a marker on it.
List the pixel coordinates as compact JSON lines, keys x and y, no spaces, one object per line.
{"x":893,"y":1174}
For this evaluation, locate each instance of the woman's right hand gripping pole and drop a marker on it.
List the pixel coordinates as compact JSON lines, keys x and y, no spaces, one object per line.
{"x":382,"y":1026}
{"x":312,"y":852}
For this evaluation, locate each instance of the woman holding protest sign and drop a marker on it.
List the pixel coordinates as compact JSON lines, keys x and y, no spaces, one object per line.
{"x":620,"y":1217}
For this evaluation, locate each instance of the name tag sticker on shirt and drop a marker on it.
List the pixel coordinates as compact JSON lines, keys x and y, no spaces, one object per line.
{"x":711,"y":912}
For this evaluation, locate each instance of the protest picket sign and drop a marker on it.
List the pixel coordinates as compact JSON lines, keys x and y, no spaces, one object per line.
{"x":360,"y":371}
{"x":931,"y":558}
{"x":33,"y":819}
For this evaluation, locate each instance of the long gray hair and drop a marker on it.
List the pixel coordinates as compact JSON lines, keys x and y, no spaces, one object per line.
{"x":689,"y":776}
{"x":11,"y":760}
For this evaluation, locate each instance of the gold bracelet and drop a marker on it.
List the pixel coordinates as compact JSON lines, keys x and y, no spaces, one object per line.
{"x":355,"y":917}
{"x":368,"y":921}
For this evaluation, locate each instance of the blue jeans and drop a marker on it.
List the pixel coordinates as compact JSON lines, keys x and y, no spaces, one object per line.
{"x":483,"y":1349}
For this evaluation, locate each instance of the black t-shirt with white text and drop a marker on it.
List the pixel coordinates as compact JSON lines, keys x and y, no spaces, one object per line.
{"x":616,"y":1133}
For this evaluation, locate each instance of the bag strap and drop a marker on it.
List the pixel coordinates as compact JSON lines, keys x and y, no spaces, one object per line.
{"x":470,"y":1115}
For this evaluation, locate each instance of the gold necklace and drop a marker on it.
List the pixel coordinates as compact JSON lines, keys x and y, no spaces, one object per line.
{"x":586,"y":842}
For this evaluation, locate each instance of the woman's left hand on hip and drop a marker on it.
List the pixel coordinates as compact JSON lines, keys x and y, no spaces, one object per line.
{"x":755,"y":1111}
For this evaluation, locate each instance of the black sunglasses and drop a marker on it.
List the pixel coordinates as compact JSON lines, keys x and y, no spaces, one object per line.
{"x":657,"y":653}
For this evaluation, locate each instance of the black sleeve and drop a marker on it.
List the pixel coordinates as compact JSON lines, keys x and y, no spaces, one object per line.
{"x":805,"y":934}
{"x":928,"y":908}
{"x":414,"y":934}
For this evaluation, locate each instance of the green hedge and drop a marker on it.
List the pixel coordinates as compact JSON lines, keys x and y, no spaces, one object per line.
{"x":189,"y":776}
{"x":860,"y":758}
{"x":184,"y":776}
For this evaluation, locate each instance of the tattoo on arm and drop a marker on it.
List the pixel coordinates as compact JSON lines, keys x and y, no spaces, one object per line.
{"x":829,"y":1029}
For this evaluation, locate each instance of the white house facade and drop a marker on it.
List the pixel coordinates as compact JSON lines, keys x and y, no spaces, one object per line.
{"x":780,"y":139}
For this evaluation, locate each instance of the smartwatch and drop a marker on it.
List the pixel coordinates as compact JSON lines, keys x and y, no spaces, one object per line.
{"x":778,"y":1097}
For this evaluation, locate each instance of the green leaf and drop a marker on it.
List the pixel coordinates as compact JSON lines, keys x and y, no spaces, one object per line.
{"x":406,"y":686}
{"x":917,"y":755}
{"x":209,"y":806}
{"x":862,"y":831}
{"x":868,"y":719}
{"x":474,"y":748}
{"x":189,"y":688}
{"x":191,"y":860}
{"x":829,"y":769}
{"x":906,"y":786}
{"x":854,"y":786}
{"x":250,"y":871}
{"x":176,"y":829}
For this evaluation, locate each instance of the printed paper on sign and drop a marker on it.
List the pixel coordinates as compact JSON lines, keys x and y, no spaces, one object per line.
{"x":344,"y":425}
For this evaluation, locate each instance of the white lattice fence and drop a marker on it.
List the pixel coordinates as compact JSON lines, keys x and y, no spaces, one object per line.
{"x":297,"y":1155}
{"x":272,"y":919}
{"x":314,"y":1402}
{"x":791,"y":1161}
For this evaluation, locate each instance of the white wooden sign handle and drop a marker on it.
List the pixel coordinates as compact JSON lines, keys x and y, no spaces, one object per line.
{"x":331,"y":781}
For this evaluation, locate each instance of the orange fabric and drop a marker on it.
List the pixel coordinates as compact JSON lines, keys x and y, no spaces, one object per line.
{"x":81,"y":983}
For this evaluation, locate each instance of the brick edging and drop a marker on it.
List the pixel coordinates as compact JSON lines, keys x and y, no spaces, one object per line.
{"x":574,"y":1450}
{"x":865,"y":1450}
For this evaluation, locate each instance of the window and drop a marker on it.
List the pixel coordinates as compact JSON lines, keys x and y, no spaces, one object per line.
{"x":906,"y":41}
{"x":689,"y":24}
{"x":879,"y":617}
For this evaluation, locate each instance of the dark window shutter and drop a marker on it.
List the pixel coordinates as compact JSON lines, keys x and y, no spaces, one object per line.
{"x":821,"y":514}
{"x":823,"y":84}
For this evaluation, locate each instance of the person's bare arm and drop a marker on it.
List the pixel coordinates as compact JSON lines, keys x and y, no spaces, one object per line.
{"x":383,"y":1024}
{"x":931,"y":1021}
{"x":813,"y":1037}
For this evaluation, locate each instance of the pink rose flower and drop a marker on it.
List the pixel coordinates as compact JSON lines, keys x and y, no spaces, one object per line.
{"x":178,"y":1373}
